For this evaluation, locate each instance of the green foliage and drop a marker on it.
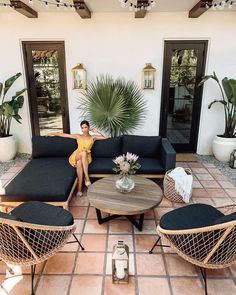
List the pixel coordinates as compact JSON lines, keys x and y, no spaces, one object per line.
{"x":228,"y":100}
{"x":115,"y":106}
{"x":10,"y":109}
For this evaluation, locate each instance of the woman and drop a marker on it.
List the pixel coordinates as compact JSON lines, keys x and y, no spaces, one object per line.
{"x":81,"y":157}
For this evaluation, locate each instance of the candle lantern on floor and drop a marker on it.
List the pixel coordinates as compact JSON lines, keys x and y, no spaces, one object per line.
{"x":232,"y":161}
{"x":120,"y":263}
{"x":148,"y":76}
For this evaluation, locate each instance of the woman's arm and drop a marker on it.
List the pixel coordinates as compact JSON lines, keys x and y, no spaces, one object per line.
{"x":99,"y":137}
{"x":61,"y":134}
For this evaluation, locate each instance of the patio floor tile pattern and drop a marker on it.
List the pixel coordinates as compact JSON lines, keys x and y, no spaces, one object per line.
{"x":72,"y":271}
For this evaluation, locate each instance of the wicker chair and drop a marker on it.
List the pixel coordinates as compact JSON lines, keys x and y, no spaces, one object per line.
{"x":24,"y":243}
{"x":210,"y":246}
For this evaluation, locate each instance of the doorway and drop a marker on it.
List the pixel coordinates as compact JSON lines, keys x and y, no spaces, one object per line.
{"x":184,"y":65}
{"x":46,"y":81}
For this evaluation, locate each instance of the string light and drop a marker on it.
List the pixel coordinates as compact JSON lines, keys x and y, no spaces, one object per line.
{"x":56,"y":3}
{"x":221,"y":5}
{"x":137,"y":7}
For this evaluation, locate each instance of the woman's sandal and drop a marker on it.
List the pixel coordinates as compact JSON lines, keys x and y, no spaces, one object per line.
{"x":79,"y":194}
{"x":87,"y":183}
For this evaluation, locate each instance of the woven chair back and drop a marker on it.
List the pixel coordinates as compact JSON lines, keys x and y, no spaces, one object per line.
{"x":28,"y":244}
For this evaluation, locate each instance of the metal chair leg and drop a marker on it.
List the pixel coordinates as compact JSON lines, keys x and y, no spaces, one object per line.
{"x":82,"y":248}
{"x":150,"y":252}
{"x":204,"y":276}
{"x":32,"y":278}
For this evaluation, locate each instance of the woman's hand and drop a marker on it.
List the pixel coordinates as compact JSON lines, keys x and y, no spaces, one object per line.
{"x":94,"y":129}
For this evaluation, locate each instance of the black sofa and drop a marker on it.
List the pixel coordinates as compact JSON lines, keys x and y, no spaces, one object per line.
{"x":49,"y":177}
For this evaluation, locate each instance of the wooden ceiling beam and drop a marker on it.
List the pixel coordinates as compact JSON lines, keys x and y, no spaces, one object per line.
{"x":141,"y":13}
{"x":201,"y":7}
{"x":82,"y":9}
{"x":24,"y":9}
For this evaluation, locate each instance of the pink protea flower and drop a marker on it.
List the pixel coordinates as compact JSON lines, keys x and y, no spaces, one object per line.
{"x":125,"y":167}
{"x":131,"y":157}
{"x":119,"y":160}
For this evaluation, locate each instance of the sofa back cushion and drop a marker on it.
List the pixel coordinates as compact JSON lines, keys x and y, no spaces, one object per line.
{"x":143,"y":146}
{"x":52,"y":146}
{"x":107,"y":148}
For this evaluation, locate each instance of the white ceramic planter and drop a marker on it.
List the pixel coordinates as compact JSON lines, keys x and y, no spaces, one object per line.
{"x":7,"y":148}
{"x":222,"y":147}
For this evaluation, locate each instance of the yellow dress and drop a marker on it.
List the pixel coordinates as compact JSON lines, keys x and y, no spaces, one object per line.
{"x":84,"y":145}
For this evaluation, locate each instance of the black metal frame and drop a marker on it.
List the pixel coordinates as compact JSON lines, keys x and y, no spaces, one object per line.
{"x":76,"y":240}
{"x":156,"y":244}
{"x":204,"y":276}
{"x":138,"y":225}
{"x":202,"y":46}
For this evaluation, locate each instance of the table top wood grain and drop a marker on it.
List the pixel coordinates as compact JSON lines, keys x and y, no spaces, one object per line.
{"x":145,"y":196}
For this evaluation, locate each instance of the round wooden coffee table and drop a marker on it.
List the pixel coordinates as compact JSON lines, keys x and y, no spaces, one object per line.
{"x":104,"y":196}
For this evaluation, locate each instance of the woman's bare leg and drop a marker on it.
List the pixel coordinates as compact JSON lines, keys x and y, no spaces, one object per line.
{"x":85,"y":165}
{"x":79,"y":171}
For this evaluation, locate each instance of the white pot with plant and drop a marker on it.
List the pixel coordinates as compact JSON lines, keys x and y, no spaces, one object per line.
{"x":9,"y":109}
{"x":224,"y":144}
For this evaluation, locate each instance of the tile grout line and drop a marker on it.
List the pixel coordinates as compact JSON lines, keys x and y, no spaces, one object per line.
{"x":77,"y":252}
{"x":105,"y":261}
{"x":136,"y":286}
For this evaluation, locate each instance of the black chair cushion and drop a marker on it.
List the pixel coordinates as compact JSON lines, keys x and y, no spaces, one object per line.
{"x":40,"y":213}
{"x":108,"y":148}
{"x":44,"y":179}
{"x":226,"y":218}
{"x":9,"y":216}
{"x":52,"y":146}
{"x":143,"y":146}
{"x":191,"y":216}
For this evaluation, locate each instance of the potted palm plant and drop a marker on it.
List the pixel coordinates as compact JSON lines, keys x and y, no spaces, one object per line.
{"x":9,"y":109}
{"x":115,"y":106}
{"x":224,"y":144}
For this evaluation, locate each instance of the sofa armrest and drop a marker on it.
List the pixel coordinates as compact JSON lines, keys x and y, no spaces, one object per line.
{"x":168,"y":154}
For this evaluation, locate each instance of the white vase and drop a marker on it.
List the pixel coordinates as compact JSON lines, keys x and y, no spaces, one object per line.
{"x":222,"y":147}
{"x":7,"y":148}
{"x":125,"y":184}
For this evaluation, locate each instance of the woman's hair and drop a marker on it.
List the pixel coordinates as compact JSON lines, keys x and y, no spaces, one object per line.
{"x":84,"y":122}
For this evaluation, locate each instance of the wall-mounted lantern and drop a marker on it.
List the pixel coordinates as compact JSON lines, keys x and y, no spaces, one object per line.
{"x":148,"y":76}
{"x":79,"y":77}
{"x":120,"y":263}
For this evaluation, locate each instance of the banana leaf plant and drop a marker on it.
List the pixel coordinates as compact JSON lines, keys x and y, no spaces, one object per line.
{"x":114,"y":106}
{"x":228,"y":100}
{"x":9,"y":108}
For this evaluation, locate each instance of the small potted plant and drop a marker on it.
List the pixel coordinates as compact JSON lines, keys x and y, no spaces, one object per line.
{"x":126,"y":165}
{"x":9,"y":109}
{"x":224,"y":144}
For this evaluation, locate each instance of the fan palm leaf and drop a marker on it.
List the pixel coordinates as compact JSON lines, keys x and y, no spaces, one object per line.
{"x":115,"y":106}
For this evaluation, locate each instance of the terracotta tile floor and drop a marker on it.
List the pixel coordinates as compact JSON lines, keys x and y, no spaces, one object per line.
{"x":73,"y":271}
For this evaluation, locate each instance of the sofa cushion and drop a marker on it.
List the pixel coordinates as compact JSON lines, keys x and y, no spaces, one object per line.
{"x":52,"y":146}
{"x":101,"y":166}
{"x":191,"y":216}
{"x":40,"y":213}
{"x":108,"y":148}
{"x":150,"y":166}
{"x":44,"y":179}
{"x":143,"y":146}
{"x":105,"y":165}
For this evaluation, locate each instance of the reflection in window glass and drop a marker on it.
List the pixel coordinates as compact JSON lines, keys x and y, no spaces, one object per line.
{"x":181,"y":94}
{"x":48,"y":94}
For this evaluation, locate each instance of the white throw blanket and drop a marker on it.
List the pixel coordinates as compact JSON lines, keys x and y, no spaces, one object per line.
{"x":183,"y":183}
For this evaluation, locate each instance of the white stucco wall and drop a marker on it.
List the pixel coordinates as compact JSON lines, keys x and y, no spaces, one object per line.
{"x":119,"y":44}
